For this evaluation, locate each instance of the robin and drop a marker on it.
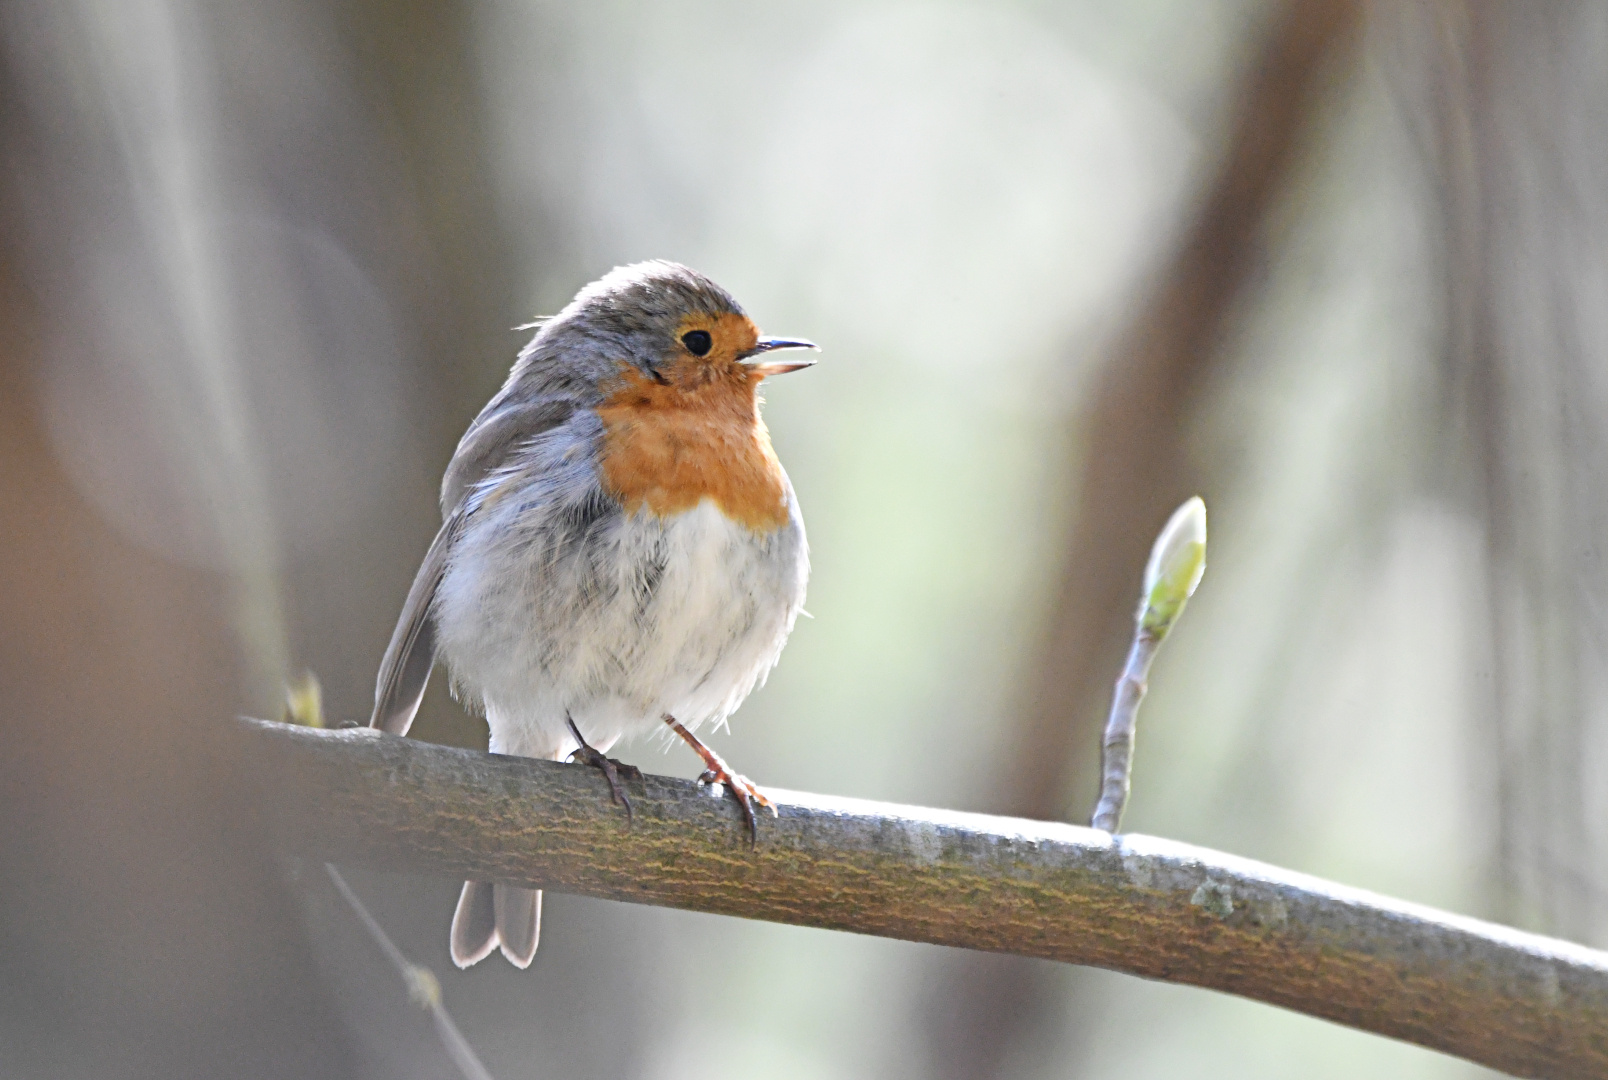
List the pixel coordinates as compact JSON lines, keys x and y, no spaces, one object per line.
{"x":621,"y":550}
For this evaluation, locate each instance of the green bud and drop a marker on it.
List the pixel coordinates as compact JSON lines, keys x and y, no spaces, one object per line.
{"x":1176,"y":564}
{"x":424,"y":989}
{"x":304,"y":702}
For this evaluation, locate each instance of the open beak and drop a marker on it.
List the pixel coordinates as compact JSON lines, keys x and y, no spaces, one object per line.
{"x":766,"y":368}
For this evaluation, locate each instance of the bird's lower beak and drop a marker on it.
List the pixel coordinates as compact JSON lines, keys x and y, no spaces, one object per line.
{"x":767,"y":368}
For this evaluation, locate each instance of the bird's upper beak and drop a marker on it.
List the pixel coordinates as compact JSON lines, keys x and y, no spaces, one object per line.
{"x":778,"y":367}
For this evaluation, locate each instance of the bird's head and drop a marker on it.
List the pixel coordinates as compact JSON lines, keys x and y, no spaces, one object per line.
{"x":672,"y":324}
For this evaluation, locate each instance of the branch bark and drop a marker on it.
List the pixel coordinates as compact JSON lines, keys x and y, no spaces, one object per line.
{"x":1526,"y":1004}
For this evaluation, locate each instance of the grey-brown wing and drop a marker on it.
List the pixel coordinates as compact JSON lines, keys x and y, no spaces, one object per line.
{"x":405,"y":669}
{"x":487,"y":443}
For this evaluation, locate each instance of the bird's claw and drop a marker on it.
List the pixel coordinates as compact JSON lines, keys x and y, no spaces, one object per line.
{"x":745,"y":791}
{"x":716,"y":771}
{"x":612,"y":769}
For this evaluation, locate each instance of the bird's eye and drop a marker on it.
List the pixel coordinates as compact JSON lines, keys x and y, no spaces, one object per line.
{"x":698,"y":342}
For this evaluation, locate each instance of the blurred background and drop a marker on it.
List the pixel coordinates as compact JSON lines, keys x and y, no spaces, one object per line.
{"x":1340,"y":268}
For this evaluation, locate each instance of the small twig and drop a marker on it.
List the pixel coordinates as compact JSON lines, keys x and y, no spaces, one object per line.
{"x":423,"y":987}
{"x":1177,"y":562}
{"x":1116,"y":765}
{"x":304,"y":704}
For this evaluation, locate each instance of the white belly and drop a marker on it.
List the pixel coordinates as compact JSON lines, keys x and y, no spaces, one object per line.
{"x":683,"y":616}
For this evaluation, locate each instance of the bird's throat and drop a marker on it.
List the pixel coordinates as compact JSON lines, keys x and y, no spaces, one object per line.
{"x":667,"y":447}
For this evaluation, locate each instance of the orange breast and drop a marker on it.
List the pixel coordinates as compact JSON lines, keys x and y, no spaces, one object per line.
{"x":669,"y":447}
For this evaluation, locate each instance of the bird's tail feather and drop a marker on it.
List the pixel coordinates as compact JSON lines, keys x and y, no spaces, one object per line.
{"x":491,"y":916}
{"x":519,"y":922}
{"x":474,"y":924}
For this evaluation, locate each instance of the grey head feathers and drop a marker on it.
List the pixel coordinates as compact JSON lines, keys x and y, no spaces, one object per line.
{"x":630,"y":314}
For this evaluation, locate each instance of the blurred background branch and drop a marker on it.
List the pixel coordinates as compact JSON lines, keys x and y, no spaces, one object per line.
{"x":1134,"y":467}
{"x":424,"y":989}
{"x":1133,"y":427}
{"x":1507,"y":128}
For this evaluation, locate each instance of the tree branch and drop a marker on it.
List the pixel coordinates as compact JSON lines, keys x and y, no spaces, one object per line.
{"x":1530,"y":1005}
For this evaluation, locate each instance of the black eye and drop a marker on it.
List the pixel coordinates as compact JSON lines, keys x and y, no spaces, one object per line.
{"x":698,"y":342}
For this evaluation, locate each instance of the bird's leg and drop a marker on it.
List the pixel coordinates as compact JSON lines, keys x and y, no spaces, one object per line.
{"x":612,"y":769}
{"x":716,"y":771}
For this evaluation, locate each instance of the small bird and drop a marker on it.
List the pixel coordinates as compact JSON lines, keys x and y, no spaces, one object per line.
{"x":620,"y":550}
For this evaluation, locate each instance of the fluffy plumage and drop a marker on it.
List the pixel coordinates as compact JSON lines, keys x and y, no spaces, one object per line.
{"x":619,"y":545}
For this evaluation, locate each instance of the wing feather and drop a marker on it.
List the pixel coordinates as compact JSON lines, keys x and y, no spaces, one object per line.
{"x":495,"y":433}
{"x":405,"y":669}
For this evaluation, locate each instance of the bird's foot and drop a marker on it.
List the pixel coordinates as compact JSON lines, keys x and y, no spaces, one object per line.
{"x":716,"y":771}
{"x":612,"y":769}
{"x":744,"y":791}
